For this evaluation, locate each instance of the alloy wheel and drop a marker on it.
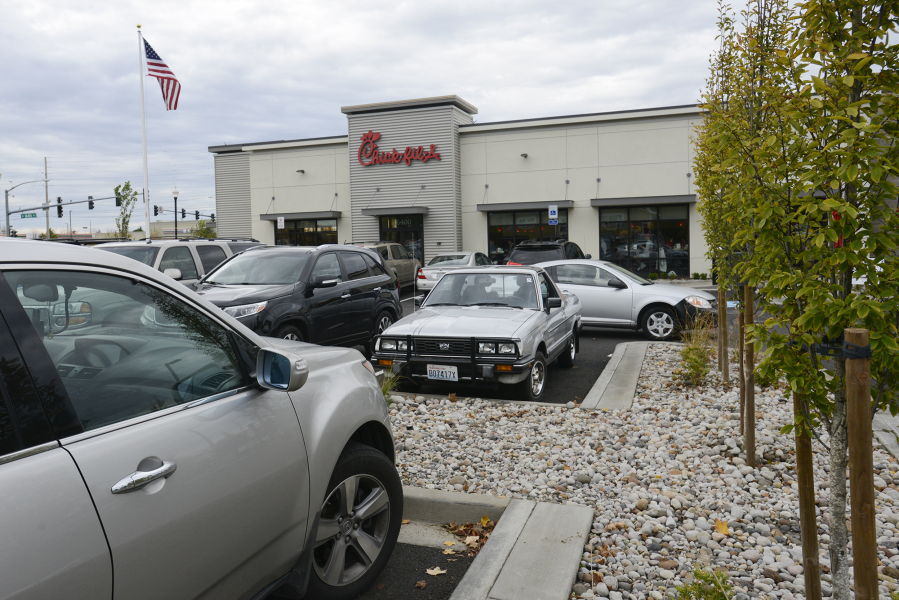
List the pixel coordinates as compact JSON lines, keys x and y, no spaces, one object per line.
{"x":572,"y":348}
{"x":660,"y":324}
{"x":384,"y":323}
{"x":538,"y":378}
{"x":292,"y":337}
{"x":352,"y":530}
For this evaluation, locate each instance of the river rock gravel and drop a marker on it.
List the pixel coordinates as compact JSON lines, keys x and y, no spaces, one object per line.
{"x":666,"y":479}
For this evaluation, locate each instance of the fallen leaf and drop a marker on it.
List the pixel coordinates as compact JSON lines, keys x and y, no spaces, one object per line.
{"x":721,"y":527}
{"x":435,"y":571}
{"x":449,"y":543}
{"x":449,"y":551}
{"x":472,"y":541}
{"x":420,"y":584}
{"x":484,"y":520}
{"x":406,"y":521}
{"x":382,"y":586}
{"x":451,"y":397}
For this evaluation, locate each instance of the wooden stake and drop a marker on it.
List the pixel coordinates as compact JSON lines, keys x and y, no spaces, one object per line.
{"x":808,"y":524}
{"x":741,"y":334}
{"x":861,"y":468}
{"x":724,"y":345}
{"x":749,"y":430}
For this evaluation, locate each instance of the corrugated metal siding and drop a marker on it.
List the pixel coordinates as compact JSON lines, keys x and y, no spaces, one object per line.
{"x":401,"y":184}
{"x":232,"y":196}
{"x":459,"y":118}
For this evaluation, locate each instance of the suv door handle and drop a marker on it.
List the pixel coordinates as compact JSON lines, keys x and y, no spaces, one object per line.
{"x":377,"y":289}
{"x":139,"y":479}
{"x":347,"y":295}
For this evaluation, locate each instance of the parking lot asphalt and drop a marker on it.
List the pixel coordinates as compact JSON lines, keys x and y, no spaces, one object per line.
{"x":408,"y":565}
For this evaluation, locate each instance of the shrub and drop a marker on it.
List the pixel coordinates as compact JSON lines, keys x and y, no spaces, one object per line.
{"x":697,"y":351}
{"x":652,"y":276}
{"x":706,"y":586}
{"x":703,"y":276}
{"x":695,"y":275}
{"x":389,"y":382}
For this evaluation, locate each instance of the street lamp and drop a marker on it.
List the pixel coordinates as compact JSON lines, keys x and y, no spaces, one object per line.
{"x":6,"y":195}
{"x":175,"y":194}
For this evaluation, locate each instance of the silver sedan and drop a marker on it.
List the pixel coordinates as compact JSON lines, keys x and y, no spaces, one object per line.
{"x":428,"y":276}
{"x":612,"y":296}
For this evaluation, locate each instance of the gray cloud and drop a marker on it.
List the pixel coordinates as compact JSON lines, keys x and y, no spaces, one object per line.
{"x":254,"y":71}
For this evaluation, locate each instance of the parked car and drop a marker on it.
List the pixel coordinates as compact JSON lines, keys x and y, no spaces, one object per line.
{"x":178,"y":453}
{"x":614,"y":297}
{"x":399,"y":262}
{"x":333,"y":294}
{"x":485,"y":326}
{"x":442,"y":263}
{"x":183,"y":260}
{"x":531,"y":253}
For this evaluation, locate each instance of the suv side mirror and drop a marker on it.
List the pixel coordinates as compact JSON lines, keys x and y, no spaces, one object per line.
{"x":173,"y":273}
{"x":417,"y":301}
{"x":324,"y":281}
{"x":553,"y":303}
{"x":588,"y":256}
{"x":280,"y":370}
{"x":617,"y":283}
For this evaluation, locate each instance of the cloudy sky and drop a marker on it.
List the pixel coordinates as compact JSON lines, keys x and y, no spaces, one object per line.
{"x":266,"y":70}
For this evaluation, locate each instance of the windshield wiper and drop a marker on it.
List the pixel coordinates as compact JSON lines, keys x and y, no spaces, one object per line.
{"x":493,"y":304}
{"x":440,"y":304}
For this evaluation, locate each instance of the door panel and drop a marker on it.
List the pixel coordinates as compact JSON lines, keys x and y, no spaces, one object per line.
{"x":229,"y":520}
{"x":53,"y":544}
{"x":327,"y":322}
{"x":599,"y":302}
{"x":363,"y":296}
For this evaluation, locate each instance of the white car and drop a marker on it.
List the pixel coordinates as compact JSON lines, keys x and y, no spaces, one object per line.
{"x":614,"y":297}
{"x":428,"y":276}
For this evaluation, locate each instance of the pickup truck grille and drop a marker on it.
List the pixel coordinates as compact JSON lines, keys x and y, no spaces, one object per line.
{"x":432,"y":346}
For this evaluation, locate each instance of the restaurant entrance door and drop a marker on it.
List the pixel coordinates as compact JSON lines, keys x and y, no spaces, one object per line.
{"x":407,"y":231}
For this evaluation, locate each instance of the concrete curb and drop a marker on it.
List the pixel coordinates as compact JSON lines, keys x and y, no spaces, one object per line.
{"x":614,"y":390}
{"x":437,"y":506}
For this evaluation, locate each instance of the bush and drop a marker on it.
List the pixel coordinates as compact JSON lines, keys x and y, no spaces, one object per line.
{"x":703,"y":276}
{"x":706,"y":586}
{"x":695,"y":275}
{"x":652,"y":276}
{"x":697,"y":351}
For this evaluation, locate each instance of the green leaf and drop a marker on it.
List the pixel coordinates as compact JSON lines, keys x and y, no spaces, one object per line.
{"x":852,"y":172}
{"x":848,"y":80}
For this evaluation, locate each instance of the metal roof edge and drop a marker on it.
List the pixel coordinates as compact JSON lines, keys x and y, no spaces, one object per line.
{"x":641,"y":113}
{"x":317,"y":141}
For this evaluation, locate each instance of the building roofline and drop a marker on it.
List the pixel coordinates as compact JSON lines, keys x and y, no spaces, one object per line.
{"x":640,"y":113}
{"x":451,"y":100}
{"x":226,"y":148}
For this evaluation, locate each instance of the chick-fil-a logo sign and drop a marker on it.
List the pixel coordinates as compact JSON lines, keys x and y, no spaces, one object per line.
{"x":370,"y":155}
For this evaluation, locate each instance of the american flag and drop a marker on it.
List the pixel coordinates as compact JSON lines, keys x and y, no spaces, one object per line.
{"x":171,"y":89}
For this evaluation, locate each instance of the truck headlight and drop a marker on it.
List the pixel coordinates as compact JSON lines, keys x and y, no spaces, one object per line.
{"x":486,"y":348}
{"x":507,"y":348}
{"x":699,"y":302}
{"x":244,"y":310}
{"x":388,"y":344}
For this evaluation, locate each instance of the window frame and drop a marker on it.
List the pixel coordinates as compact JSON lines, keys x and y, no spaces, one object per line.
{"x":193,"y":258}
{"x":40,"y":364}
{"x":205,"y":247}
{"x":342,"y":254}
{"x":343,"y":275}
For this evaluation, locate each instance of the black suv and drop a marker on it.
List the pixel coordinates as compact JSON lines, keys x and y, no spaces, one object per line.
{"x":531,"y":253}
{"x":334,"y":294}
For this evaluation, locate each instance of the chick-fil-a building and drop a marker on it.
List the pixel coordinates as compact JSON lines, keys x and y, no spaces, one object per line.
{"x":423,"y":173}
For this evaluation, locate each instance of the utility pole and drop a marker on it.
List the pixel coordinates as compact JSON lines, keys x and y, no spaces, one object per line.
{"x":47,"y":198}
{"x":71,"y":233}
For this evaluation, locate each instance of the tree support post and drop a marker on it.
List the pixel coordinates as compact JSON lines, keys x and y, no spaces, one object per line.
{"x":749,"y":353}
{"x":723,"y":342}
{"x":808,"y":524}
{"x":861,"y":466}
{"x":741,"y":334}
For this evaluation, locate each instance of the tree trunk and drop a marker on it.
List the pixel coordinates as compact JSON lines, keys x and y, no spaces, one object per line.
{"x":723,"y":342}
{"x":740,"y":334}
{"x":839,"y":459}
{"x":749,"y":353}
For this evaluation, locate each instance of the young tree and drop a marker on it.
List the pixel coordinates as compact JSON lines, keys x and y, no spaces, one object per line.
{"x":203,"y":230}
{"x":127,"y":199}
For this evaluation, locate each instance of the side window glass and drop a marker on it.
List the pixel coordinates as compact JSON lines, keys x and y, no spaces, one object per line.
{"x":376,"y":269}
{"x":544,"y":289}
{"x":179,"y":258}
{"x":328,"y":266}
{"x":578,"y":275}
{"x":397,"y":252}
{"x":355,"y":266}
{"x":210,"y":257}
{"x":382,"y":250}
{"x":9,"y":442}
{"x":127,"y":349}
{"x":577,"y":249}
{"x":603,"y":277}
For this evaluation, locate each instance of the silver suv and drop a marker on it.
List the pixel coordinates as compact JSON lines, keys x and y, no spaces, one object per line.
{"x":183,"y":260}
{"x":163,"y":445}
{"x":399,"y":262}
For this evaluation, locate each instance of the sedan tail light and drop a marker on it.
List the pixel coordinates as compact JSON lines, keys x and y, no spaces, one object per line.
{"x":421,"y":274}
{"x":515,"y":264}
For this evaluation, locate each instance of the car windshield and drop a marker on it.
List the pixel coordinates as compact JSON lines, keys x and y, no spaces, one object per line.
{"x":260,"y":268}
{"x":449,"y":259}
{"x":531,"y":255}
{"x":146,"y":255}
{"x":516,"y":290}
{"x":624,"y":271}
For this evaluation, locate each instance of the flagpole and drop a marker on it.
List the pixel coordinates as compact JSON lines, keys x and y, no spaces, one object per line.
{"x":143,"y":132}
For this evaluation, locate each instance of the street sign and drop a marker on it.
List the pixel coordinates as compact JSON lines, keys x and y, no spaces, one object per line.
{"x":29,"y":215}
{"x":553,"y":213}
{"x":280,"y":222}
{"x":553,"y":222}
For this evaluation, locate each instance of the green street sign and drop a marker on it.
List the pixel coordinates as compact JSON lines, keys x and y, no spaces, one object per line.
{"x":29,"y":215}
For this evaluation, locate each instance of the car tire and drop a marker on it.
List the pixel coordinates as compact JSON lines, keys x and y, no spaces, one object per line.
{"x":289,"y":332}
{"x":659,"y":324}
{"x":531,"y":389}
{"x":343,"y":569}
{"x":382,"y":322}
{"x":566,"y":359}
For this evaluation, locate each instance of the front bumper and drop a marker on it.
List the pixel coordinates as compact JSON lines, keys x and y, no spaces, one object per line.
{"x":472,"y":371}
{"x":688,"y":313}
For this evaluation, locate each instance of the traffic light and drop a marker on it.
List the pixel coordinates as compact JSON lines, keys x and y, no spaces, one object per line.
{"x":196,"y":215}
{"x":90,"y":203}
{"x":183,"y":213}
{"x":118,"y":200}
{"x":58,"y":206}
{"x":155,"y":210}
{"x":213,"y":217}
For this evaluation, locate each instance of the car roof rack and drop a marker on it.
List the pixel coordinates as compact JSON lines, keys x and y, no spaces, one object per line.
{"x":202,"y":239}
{"x":84,"y":241}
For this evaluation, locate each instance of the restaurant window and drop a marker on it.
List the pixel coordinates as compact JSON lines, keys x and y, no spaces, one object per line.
{"x":313,"y":232}
{"x":646,"y":239}
{"x":505,"y":229}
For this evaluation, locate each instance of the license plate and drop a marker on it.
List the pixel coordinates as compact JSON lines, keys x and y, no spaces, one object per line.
{"x":436,"y":275}
{"x":442,"y":373}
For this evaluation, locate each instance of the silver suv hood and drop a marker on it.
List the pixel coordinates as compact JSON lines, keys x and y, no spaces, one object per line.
{"x":462,"y":321}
